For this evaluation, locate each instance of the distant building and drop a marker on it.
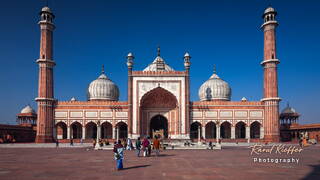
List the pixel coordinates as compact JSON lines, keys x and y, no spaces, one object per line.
{"x":292,"y":131}
{"x":25,"y":131}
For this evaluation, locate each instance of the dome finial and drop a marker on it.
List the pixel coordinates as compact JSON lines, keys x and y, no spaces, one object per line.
{"x":158,"y":51}
{"x":102,"y":69}
{"x":214,"y":69}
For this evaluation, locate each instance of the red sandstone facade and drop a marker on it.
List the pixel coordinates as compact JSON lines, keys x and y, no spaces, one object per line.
{"x":158,"y":99}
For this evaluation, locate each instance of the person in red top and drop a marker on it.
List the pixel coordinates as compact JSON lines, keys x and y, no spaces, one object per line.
{"x":145,"y":145}
{"x":156,"y":145}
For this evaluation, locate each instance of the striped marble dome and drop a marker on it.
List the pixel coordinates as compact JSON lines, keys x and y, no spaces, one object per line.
{"x":215,"y":89}
{"x":103,"y":89}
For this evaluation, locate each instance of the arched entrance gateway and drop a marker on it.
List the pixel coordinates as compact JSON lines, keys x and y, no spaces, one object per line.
{"x":159,"y":126}
{"x":159,"y":113}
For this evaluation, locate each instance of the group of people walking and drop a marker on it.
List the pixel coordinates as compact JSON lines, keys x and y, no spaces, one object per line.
{"x":145,"y":146}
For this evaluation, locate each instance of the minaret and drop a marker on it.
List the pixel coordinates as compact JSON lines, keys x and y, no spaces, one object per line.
{"x":45,"y":99}
{"x":130,"y":58}
{"x":270,"y":78}
{"x":187,"y":64}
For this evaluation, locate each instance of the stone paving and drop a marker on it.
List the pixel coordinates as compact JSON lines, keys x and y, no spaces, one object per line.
{"x":85,"y":163}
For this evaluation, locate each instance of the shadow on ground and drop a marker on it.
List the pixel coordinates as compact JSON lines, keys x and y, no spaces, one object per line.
{"x":314,"y":174}
{"x":134,"y":167}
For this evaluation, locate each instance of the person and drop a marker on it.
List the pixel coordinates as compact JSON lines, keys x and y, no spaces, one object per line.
{"x":71,"y":142}
{"x":81,"y":141}
{"x":138,"y":146}
{"x":57,"y":143}
{"x":210,"y":145}
{"x":100,"y":142}
{"x":129,"y":144}
{"x":145,"y":145}
{"x":118,"y":154}
{"x":156,"y":145}
{"x":149,"y":147}
{"x":106,"y":142}
{"x":125,"y":143}
{"x":94,"y":143}
{"x":300,"y":142}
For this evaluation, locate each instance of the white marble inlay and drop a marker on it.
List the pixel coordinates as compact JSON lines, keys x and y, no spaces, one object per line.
{"x":256,"y":114}
{"x":61,"y":114}
{"x":91,"y":114}
{"x":76,"y":114}
{"x":196,"y":114}
{"x":225,"y":113}
{"x":211,"y":114}
{"x":121,"y":114}
{"x":241,"y":114}
{"x":106,"y":114}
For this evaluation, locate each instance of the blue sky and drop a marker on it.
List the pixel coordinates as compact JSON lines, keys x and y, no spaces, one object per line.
{"x":226,"y":33}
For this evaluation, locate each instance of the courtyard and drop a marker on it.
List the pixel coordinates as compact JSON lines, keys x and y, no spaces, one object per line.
{"x":85,"y":163}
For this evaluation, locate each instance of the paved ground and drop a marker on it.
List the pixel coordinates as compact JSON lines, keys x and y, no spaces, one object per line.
{"x":81,"y":163}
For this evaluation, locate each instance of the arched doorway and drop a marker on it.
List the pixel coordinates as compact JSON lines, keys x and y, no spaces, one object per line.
{"x":123,"y":130}
{"x":91,"y":130}
{"x":61,"y":128}
{"x":158,"y":101}
{"x":225,"y":130}
{"x":194,"y":130}
{"x":76,"y":130}
{"x":240,"y":130}
{"x":159,"y":126}
{"x":255,"y":130}
{"x":210,"y":130}
{"x":106,"y":130}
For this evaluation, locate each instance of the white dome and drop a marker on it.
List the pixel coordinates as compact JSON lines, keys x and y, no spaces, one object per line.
{"x":46,"y":9}
{"x":158,"y":64}
{"x":27,"y":109}
{"x":288,"y":110}
{"x":103,"y":89}
{"x":269,"y":10}
{"x":215,"y":89}
{"x":244,"y":99}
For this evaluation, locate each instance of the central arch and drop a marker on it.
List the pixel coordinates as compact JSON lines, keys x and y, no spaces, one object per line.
{"x":159,"y":110}
{"x":159,"y":126}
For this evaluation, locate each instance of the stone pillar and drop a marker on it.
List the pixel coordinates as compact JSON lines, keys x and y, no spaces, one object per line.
{"x":68,"y":132}
{"x":199,"y":133}
{"x":98,"y":135}
{"x":117,"y":128}
{"x":83,"y":132}
{"x":261,"y":132}
{"x":247,"y":132}
{"x":99,"y":132}
{"x":233,"y":132}
{"x":217,"y":132}
{"x":203,"y":131}
{"x":114,"y":132}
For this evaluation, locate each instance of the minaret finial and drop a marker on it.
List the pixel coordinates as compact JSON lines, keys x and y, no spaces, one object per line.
{"x":102,"y":69}
{"x":214,"y":69}
{"x":158,"y":51}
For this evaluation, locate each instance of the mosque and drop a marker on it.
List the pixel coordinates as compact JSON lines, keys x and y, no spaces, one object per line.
{"x":158,"y":100}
